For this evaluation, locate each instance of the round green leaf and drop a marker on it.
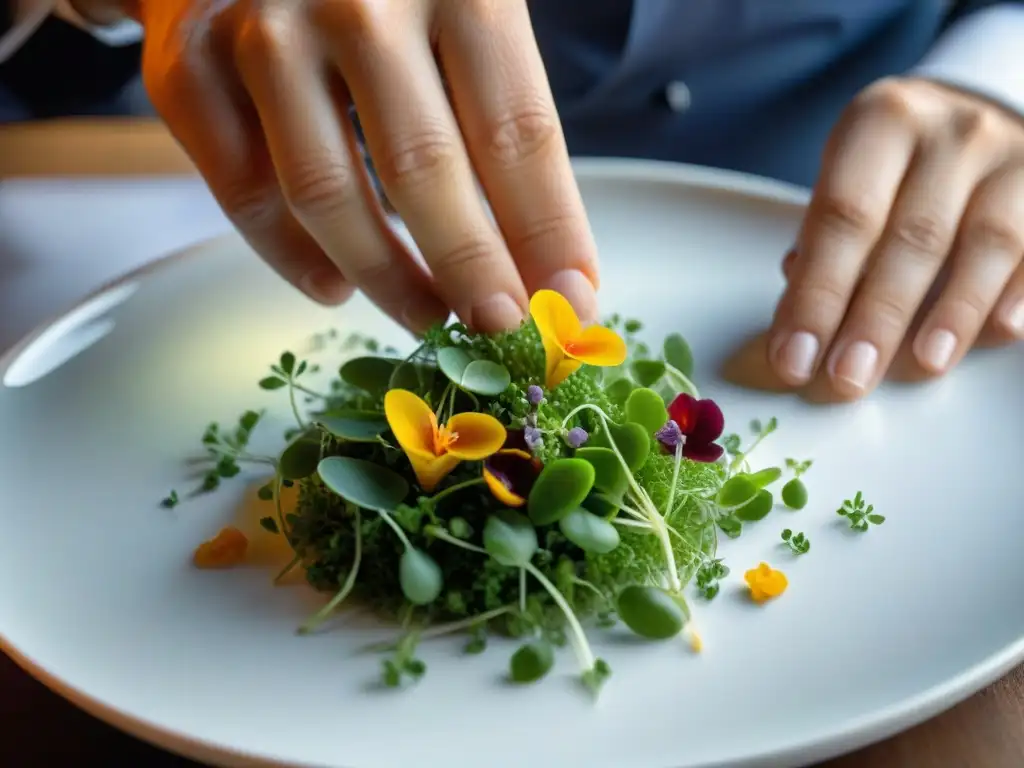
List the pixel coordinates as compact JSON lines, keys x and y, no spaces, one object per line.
{"x":481,"y":377}
{"x":609,"y":475}
{"x":646,"y":408}
{"x":299,"y":459}
{"x":561,"y":486}
{"x":370,"y":374}
{"x":509,"y":538}
{"x":650,"y":612}
{"x":363,"y":483}
{"x":272,"y":382}
{"x":531,"y":662}
{"x":794,"y":494}
{"x":678,"y":354}
{"x":737,"y":491}
{"x":618,"y":390}
{"x":589,"y":532}
{"x":420,"y":577}
{"x":757,"y":508}
{"x":765,"y":477}
{"x":632,"y":440}
{"x":354,"y":426}
{"x":646,"y":372}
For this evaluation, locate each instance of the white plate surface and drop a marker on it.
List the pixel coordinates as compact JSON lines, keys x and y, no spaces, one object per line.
{"x":876,"y":632}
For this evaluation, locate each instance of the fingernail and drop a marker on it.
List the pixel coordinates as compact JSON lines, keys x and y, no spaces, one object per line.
{"x":326,"y":286}
{"x":499,"y":312}
{"x":857,"y":364}
{"x":1015,"y":318}
{"x":795,"y":358}
{"x":577,"y":288}
{"x":938,"y":349}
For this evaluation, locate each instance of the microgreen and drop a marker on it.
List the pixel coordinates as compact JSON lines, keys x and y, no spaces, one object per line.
{"x":171,"y":500}
{"x":860,"y":515}
{"x":708,"y":577}
{"x":797,"y":542}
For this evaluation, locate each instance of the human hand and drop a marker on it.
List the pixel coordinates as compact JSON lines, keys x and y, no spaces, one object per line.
{"x":916,"y":178}
{"x":258,"y":93}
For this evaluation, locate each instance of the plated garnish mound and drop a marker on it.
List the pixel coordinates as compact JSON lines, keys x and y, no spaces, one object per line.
{"x":526,"y":484}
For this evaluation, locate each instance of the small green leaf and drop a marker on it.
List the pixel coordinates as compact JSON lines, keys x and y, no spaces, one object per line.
{"x":287,"y":363}
{"x":650,"y":612}
{"x":299,"y":459}
{"x":678,"y":354}
{"x":765,"y":477}
{"x":757,"y":508}
{"x":272,"y":382}
{"x":354,"y":426}
{"x":248,"y":420}
{"x":646,"y":408}
{"x":786,"y":534}
{"x":363,"y":483}
{"x":370,"y":374}
{"x":170,"y":501}
{"x":531,"y":662}
{"x":420,"y":577}
{"x":481,"y":377}
{"x":876,"y":519}
{"x":632,"y":440}
{"x":730,"y":526}
{"x":794,"y":494}
{"x":646,"y":372}
{"x":265,"y":493}
{"x":510,"y":538}
{"x":618,"y":391}
{"x":736,"y":492}
{"x":562,"y":486}
{"x":609,"y":475}
{"x":589,"y":532}
{"x":301,"y":369}
{"x":269,"y":524}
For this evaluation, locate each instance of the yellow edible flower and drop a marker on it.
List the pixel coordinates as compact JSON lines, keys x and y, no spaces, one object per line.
{"x":225,"y":550}
{"x":435,"y":450}
{"x":567,"y":344}
{"x":765,"y":583}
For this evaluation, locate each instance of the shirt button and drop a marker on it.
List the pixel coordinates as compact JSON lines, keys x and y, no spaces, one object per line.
{"x":677,"y":94}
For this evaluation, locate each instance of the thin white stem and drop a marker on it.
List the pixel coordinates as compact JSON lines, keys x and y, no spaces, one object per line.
{"x":396,"y":528}
{"x":580,"y":644}
{"x":684,"y":380}
{"x":346,"y":588}
{"x":443,"y":535}
{"x":522,"y":590}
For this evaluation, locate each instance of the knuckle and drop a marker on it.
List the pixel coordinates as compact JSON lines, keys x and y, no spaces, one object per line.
{"x":524,"y":132}
{"x":970,"y":307}
{"x":470,"y":256}
{"x":819,"y":305}
{"x":265,"y":35}
{"x":893,"y":98}
{"x":417,"y":158}
{"x":317,"y":188}
{"x":923,"y":233}
{"x":350,"y":19}
{"x":556,"y":233}
{"x":992,"y":234}
{"x":843,"y":215}
{"x":887,"y":311}
{"x":372,"y":270}
{"x":249,"y":205}
{"x":971,"y":126}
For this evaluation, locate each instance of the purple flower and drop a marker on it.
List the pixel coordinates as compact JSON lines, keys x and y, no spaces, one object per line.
{"x":577,"y":436}
{"x":534,"y":438}
{"x":670,"y":436}
{"x":534,"y":394}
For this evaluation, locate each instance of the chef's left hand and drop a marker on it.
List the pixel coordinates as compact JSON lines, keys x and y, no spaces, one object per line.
{"x":916,"y":176}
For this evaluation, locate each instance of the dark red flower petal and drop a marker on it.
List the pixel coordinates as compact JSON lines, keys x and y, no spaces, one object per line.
{"x":701,"y":421}
{"x":515,"y":440}
{"x":707,"y":453}
{"x":516,"y":471}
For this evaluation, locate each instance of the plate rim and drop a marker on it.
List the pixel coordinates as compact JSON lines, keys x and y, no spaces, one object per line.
{"x":853,"y":735}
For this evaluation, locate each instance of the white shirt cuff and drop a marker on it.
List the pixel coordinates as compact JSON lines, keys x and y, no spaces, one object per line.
{"x":125,"y":32}
{"x":983,"y":53}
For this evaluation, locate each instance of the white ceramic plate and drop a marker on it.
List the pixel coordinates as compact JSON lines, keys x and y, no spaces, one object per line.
{"x":876,"y":632}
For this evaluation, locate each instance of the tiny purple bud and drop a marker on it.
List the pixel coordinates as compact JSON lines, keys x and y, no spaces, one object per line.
{"x":577,"y":436}
{"x":669,"y":435}
{"x":534,"y":394}
{"x":534,"y":438}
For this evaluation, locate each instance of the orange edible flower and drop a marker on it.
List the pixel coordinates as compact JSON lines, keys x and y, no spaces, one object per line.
{"x":765,"y":582}
{"x":567,"y":344}
{"x":435,"y":450}
{"x":225,"y":550}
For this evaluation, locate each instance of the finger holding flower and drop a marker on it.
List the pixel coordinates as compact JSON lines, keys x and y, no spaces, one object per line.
{"x":917,"y":178}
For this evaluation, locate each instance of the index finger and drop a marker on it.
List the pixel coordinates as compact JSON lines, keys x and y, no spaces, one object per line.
{"x":507,"y":114}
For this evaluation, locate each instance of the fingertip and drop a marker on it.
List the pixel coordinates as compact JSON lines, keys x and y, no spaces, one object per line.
{"x":579,"y":290}
{"x":326,"y":285}
{"x":498,"y":312}
{"x":793,"y":356}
